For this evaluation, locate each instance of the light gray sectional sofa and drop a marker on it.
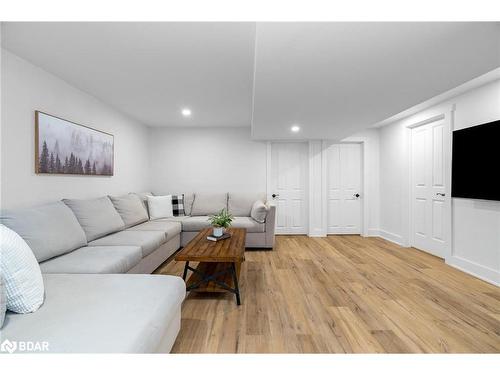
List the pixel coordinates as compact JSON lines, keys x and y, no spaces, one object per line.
{"x":85,"y":246}
{"x":199,"y":206}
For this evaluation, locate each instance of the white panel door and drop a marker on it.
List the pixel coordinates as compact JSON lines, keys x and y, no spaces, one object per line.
{"x":428,"y":188}
{"x":344,"y":188}
{"x":288,"y":186}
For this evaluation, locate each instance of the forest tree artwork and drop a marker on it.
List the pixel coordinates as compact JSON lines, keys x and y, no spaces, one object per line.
{"x":64,"y":147}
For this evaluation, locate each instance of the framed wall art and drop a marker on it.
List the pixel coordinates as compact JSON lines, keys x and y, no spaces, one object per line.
{"x":65,"y":147}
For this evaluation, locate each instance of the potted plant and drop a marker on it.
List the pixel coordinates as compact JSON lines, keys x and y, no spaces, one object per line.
{"x":220,"y":222}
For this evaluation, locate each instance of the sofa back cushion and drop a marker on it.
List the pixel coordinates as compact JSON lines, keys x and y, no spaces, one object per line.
{"x":49,"y":230}
{"x":130,"y":208}
{"x":240,"y":204}
{"x":208,"y":203}
{"x":97,"y":217}
{"x":143,"y":196}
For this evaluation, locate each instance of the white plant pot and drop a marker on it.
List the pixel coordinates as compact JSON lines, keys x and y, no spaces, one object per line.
{"x":218,"y":231}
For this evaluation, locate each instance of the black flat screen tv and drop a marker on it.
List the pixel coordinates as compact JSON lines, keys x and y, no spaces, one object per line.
{"x":476,"y":162}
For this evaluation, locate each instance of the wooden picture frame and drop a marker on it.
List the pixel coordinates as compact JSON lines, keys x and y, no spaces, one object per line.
{"x":65,"y":147}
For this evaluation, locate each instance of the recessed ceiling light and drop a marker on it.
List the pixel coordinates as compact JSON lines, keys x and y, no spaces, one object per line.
{"x":295,"y":128}
{"x":186,"y":112}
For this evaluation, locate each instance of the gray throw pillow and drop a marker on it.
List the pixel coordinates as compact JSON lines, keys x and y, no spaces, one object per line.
{"x":97,"y":217}
{"x":259,"y":211}
{"x":50,"y":230}
{"x":130,"y":208}
{"x":188,"y":203}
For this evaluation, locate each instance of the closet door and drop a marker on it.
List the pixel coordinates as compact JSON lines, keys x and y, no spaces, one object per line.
{"x":344,"y":188}
{"x":428,"y":199}
{"x":289,"y":178}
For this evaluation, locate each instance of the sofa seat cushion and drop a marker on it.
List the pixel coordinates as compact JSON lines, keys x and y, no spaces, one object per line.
{"x":49,"y":230}
{"x":195,"y":223}
{"x":175,"y":219}
{"x":148,"y":241}
{"x":249,"y":224}
{"x":98,"y":259}
{"x":100,"y":313}
{"x":170,"y":228}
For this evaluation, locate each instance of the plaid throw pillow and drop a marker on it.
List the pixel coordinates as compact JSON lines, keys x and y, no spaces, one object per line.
{"x":178,"y":205}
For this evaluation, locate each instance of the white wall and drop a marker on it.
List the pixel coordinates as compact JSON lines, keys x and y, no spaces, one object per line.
{"x":206,"y":159}
{"x":187,"y":159}
{"x":317,"y":185}
{"x":475,"y":223}
{"x":392,"y":168}
{"x":226,"y":159}
{"x":26,"y":88}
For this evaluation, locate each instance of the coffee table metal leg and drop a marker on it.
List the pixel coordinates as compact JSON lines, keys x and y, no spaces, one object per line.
{"x":185,"y":271}
{"x":235,"y":280}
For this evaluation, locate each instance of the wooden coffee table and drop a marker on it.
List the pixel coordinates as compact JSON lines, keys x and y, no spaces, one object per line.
{"x":219,"y":262}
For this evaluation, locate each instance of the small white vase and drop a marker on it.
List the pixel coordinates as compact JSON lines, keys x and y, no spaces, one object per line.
{"x":218,"y":231}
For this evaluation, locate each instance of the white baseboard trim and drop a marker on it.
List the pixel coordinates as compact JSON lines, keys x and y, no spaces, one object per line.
{"x":372,"y":233}
{"x":395,"y":238}
{"x":316,"y":235}
{"x":481,"y":272}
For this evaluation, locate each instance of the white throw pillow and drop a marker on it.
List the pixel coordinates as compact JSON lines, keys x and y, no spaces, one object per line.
{"x":160,"y":206}
{"x":21,"y":273}
{"x":3,"y":301}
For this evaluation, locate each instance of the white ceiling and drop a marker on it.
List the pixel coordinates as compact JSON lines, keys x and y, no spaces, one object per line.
{"x":331,"y":78}
{"x":337,"y":78}
{"x":149,"y":70}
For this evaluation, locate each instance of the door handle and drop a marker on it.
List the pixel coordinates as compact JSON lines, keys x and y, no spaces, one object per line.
{"x":275,"y":195}
{"x":356,"y":195}
{"x":441,"y":194}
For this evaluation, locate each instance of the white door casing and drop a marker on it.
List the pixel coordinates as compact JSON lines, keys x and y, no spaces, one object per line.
{"x":344,"y":188}
{"x":428,"y":181}
{"x":289,"y":179}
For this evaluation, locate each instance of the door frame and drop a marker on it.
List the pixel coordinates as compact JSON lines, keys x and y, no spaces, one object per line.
{"x":269,"y":187}
{"x":444,"y":113}
{"x":363,"y":225}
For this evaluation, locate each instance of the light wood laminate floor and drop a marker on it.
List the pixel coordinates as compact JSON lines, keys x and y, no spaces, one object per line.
{"x":343,"y":294}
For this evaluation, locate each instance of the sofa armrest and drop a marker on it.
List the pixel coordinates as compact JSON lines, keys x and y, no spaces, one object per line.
{"x":270,"y":225}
